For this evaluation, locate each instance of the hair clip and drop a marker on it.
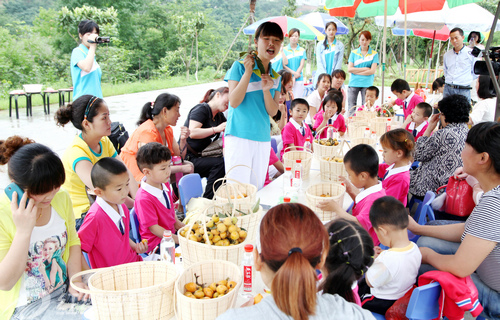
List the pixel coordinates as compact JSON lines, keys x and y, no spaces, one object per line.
{"x":339,"y":241}
{"x":294,"y":250}
{"x":362,"y":272}
{"x":406,"y":140}
{"x":89,"y":106}
{"x":347,"y":262}
{"x":331,"y":234}
{"x":152,"y":104}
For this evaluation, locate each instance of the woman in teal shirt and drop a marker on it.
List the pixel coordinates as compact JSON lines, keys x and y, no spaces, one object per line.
{"x":329,"y":53}
{"x":296,"y":57}
{"x":362,"y":66}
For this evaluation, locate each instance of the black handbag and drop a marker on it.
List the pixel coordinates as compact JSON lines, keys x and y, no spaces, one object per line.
{"x":118,"y":136}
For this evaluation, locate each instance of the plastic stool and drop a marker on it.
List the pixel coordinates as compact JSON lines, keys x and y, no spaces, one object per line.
{"x":46,"y":99}
{"x":62,"y":93}
{"x":16,"y":94}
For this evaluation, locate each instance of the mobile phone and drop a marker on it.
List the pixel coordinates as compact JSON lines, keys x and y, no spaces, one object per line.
{"x":9,"y":190}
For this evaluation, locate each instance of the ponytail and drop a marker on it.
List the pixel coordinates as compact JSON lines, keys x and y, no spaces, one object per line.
{"x":325,"y":43}
{"x":399,"y":139}
{"x":289,"y":250}
{"x":151,"y":109}
{"x":211,"y":93}
{"x":145,"y":113}
{"x":295,"y":280}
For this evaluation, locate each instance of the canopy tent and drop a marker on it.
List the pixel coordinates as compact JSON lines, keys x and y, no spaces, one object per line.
{"x":307,"y":32}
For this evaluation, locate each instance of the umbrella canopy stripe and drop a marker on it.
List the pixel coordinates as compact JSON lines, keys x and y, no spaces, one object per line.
{"x":442,"y":35}
{"x":319,"y":20}
{"x":307,"y":32}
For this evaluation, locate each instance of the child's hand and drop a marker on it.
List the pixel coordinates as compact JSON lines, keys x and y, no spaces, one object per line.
{"x":141,"y":247}
{"x":329,"y":205}
{"x":24,"y":218}
{"x":267,"y":82}
{"x":377,"y":250}
{"x":77,"y":294}
{"x":350,"y":188}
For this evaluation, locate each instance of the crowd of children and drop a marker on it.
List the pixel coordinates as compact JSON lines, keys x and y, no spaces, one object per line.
{"x":357,"y":273}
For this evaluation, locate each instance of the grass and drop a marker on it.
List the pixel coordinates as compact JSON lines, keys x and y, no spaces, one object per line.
{"x":109,"y":89}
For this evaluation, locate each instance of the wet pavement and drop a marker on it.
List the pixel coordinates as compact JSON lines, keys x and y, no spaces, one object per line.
{"x":123,"y":108}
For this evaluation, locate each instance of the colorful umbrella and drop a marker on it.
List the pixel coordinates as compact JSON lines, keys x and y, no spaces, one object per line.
{"x":319,"y":20}
{"x":370,"y":8}
{"x":441,"y":35}
{"x":307,"y":32}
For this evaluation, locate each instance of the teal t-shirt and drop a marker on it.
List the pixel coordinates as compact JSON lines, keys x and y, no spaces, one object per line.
{"x":330,"y":56}
{"x":85,"y":82}
{"x":294,"y":58}
{"x":277,"y":62}
{"x":361,"y":61}
{"x":250,"y":119}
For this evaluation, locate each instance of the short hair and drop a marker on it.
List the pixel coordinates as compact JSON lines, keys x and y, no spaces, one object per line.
{"x":474,"y":32}
{"x":427,"y":108}
{"x":438,"y":83}
{"x":362,"y":158}
{"x":365,"y":33}
{"x":298,"y":101}
{"x":373,"y":88}
{"x":104,"y":169}
{"x":292,"y":31}
{"x":338,"y":73}
{"x":321,"y":76}
{"x":399,"y":85}
{"x":389,"y":211}
{"x":86,"y":26}
{"x":152,"y":154}
{"x":457,"y":29}
{"x":335,"y":96}
{"x":485,"y":137}
{"x":485,"y":87}
{"x":455,"y":108}
{"x":269,"y":29}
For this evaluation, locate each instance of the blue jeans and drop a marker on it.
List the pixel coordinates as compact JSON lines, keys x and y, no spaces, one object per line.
{"x":449,"y":91}
{"x":489,"y":298}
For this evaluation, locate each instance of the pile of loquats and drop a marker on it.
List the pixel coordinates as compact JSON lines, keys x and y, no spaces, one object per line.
{"x":214,"y":290}
{"x":219,"y":232}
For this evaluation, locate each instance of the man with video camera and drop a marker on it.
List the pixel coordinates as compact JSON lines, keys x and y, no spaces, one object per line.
{"x":85,"y":71}
{"x":458,"y":66}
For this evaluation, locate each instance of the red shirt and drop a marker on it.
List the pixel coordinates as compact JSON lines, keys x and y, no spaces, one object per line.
{"x":420,"y":129}
{"x":103,"y":241}
{"x":362,"y":205}
{"x":397,"y":181}
{"x":338,"y":124}
{"x":415,"y":99}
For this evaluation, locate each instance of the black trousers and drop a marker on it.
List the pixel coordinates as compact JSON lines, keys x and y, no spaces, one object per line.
{"x":211,"y":168}
{"x":371,"y":303}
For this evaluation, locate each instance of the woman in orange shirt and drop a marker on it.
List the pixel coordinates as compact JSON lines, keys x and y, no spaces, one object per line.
{"x":155,"y":126}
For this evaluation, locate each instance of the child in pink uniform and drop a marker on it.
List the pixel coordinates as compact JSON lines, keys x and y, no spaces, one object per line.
{"x":361,"y":164}
{"x":296,"y":131}
{"x":397,"y":153}
{"x":274,"y":161}
{"x":405,"y":97}
{"x":104,"y":233}
{"x":330,"y":113}
{"x":417,"y":122}
{"x":153,"y":202}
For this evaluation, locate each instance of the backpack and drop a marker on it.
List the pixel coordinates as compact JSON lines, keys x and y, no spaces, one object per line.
{"x":118,"y":136}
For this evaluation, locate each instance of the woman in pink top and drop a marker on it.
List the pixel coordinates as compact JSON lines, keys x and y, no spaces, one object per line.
{"x":397,"y":148}
{"x":330,"y":113}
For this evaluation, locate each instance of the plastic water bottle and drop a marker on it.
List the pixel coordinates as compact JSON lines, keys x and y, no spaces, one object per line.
{"x":373,"y":135}
{"x":287,"y":182}
{"x":307,"y":144}
{"x":297,"y":176}
{"x":247,"y":271}
{"x":367,"y":133}
{"x":329,"y":132}
{"x":167,"y":247}
{"x":388,"y":125}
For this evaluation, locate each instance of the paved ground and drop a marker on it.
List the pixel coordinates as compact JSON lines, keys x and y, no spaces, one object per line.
{"x":124,"y":108}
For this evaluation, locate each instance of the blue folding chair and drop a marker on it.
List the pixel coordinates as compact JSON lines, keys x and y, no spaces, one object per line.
{"x":86,"y":256}
{"x":274,"y":145}
{"x":189,"y":187}
{"x":378,"y":316}
{"x":424,"y":302}
{"x":423,"y":214}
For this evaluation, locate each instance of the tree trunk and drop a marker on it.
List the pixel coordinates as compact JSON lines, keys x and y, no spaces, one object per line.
{"x":196,"y":73}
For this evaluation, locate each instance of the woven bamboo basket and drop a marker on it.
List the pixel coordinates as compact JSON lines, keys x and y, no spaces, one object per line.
{"x":335,"y":191}
{"x":366,"y":114}
{"x":369,"y":141}
{"x":290,"y":156}
{"x":320,"y":150}
{"x":249,"y":222}
{"x":331,"y":170}
{"x":139,"y":290}
{"x":194,"y":252}
{"x":379,"y":125}
{"x":208,"y":272}
{"x":357,"y":129}
{"x":240,"y":195}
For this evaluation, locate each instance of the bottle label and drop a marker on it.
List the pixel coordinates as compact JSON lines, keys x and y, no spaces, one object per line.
{"x":247,"y":278}
{"x":297,"y":174}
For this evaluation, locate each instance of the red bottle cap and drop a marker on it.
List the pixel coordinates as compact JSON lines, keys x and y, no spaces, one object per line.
{"x":288,"y":168}
{"x":248,"y":248}
{"x":286,"y":199}
{"x":298,"y":161}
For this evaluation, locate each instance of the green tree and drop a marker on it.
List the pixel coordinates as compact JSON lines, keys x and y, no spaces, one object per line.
{"x":290,"y":9}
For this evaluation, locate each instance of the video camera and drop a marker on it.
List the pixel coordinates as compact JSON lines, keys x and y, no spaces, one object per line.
{"x":480,"y":66}
{"x":100,"y":40}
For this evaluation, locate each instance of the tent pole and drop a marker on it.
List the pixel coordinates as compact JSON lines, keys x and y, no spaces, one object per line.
{"x":406,"y":41}
{"x":430,"y":60}
{"x":437,"y":60}
{"x":384,"y":46}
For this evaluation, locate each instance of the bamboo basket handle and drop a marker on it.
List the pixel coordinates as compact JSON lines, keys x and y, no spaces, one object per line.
{"x":242,"y":165}
{"x":340,"y":151}
{"x":225,"y":177}
{"x":318,"y":133}
{"x":303,"y":149}
{"x":384,"y":107}
{"x":228,"y":185}
{"x":79,"y":274}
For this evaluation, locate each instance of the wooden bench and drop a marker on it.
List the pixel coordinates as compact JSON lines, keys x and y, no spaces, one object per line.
{"x":414,"y":76}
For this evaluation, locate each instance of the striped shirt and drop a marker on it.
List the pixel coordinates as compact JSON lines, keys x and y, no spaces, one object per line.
{"x":484,"y":223}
